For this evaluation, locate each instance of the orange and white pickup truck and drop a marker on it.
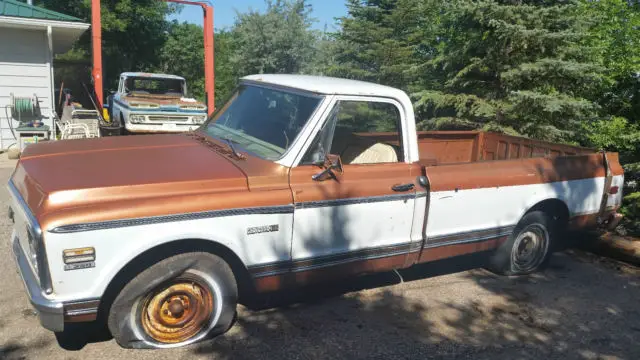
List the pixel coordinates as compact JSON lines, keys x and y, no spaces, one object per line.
{"x":295,"y":179}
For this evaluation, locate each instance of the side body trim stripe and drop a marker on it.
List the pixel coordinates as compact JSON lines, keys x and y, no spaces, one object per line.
{"x":112,"y":224}
{"x":468,"y":236}
{"x":279,"y":209}
{"x":282,"y":267}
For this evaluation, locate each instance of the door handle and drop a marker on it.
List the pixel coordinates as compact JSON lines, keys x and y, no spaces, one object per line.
{"x":403,"y":187}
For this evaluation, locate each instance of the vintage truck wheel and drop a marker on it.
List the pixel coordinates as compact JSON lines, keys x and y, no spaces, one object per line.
{"x":527,"y":249}
{"x":178,"y":301}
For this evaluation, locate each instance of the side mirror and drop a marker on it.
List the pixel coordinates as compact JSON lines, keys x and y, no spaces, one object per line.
{"x":331,"y":163}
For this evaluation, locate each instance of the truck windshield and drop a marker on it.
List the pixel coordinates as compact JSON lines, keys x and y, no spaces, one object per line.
{"x":154,"y":86}
{"x":261,"y":120}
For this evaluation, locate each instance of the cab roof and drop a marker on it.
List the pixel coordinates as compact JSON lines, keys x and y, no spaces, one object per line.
{"x":326,"y":85}
{"x":152,"y":75}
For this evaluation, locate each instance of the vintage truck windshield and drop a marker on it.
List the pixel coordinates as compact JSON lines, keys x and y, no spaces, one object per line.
{"x":261,"y":120}
{"x":154,"y":86}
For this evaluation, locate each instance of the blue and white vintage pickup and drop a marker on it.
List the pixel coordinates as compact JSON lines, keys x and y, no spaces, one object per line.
{"x":155,"y":103}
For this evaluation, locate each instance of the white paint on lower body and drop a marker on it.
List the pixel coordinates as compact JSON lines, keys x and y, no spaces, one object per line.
{"x":460,"y":211}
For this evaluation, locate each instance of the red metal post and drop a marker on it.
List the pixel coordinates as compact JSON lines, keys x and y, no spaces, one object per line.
{"x":209,"y":74}
{"x":96,"y":39}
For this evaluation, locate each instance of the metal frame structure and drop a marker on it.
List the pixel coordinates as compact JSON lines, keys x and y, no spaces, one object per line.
{"x":96,"y":36}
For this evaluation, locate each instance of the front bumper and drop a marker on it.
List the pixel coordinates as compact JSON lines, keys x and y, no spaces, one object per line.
{"x":51,"y":313}
{"x":159,"y":128}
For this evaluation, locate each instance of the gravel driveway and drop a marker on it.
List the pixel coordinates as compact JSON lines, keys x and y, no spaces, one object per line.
{"x":582,"y":307}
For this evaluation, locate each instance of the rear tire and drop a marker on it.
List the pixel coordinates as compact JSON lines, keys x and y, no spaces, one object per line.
{"x":180,"y":300}
{"x":528,"y":248}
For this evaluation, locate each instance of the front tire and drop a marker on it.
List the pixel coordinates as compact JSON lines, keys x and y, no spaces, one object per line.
{"x":177,"y":301}
{"x":528,"y":248}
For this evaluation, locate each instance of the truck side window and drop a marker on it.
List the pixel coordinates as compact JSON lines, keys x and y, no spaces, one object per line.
{"x":364,"y":132}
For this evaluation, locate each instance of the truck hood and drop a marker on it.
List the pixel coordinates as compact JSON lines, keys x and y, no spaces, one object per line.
{"x":122,"y":172}
{"x":164,"y":101}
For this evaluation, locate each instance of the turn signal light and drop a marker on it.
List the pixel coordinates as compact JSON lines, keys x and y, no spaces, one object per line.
{"x":613,"y":190}
{"x":71,"y":256}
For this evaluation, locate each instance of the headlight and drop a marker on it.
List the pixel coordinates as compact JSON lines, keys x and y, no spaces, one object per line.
{"x":199,"y":119}
{"x":134,"y":119}
{"x":38,"y":258}
{"x":33,"y":249}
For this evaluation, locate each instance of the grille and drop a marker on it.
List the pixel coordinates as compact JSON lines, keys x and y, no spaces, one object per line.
{"x":168,"y":118}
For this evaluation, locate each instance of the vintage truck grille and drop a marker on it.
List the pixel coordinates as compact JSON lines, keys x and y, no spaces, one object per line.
{"x":168,"y":118}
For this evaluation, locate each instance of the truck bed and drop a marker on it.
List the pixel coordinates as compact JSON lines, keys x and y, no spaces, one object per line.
{"x":459,"y":147}
{"x":454,"y":147}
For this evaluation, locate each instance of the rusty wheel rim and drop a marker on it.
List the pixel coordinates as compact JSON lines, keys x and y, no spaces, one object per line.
{"x":530,"y":248}
{"x":178,"y":311}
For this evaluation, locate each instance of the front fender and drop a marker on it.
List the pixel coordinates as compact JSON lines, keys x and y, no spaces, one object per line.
{"x":116,"y":247}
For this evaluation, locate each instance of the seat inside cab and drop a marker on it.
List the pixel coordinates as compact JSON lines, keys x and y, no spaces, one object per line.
{"x":358,"y":149}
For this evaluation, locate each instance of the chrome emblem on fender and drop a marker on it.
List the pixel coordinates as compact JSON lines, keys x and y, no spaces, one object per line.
{"x":263,"y":229}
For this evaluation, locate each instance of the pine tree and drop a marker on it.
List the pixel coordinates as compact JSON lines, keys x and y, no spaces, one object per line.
{"x":380,"y":41}
{"x":512,"y":66}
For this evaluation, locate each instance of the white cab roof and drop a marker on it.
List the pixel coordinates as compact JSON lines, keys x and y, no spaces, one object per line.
{"x":152,"y":75}
{"x":327,"y":85}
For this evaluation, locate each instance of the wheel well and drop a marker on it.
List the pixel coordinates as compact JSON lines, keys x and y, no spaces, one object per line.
{"x":160,"y":252}
{"x":554,"y":207}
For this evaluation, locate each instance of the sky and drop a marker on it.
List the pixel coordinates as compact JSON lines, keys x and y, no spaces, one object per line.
{"x":324,"y":11}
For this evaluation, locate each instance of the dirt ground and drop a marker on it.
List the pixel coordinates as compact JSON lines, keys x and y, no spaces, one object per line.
{"x":581,"y":307}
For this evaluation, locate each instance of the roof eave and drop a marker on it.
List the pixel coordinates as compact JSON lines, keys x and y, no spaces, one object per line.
{"x":30,"y":23}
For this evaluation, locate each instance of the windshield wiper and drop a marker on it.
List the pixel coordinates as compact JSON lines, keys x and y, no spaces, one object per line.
{"x":217,"y":147}
{"x":233,"y":149}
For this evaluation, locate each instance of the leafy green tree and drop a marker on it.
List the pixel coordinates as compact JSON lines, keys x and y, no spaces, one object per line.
{"x":324,"y":54}
{"x":614,"y":35}
{"x":225,"y":74}
{"x":183,"y":54}
{"x":133,"y":33}
{"x":280,"y":40}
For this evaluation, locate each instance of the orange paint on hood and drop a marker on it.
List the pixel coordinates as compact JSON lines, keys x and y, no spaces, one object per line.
{"x":121,"y":172}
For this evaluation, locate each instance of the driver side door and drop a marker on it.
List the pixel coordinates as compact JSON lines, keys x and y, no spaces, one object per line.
{"x":360,"y":219}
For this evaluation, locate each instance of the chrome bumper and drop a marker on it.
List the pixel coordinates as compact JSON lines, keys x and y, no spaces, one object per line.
{"x":51,"y":313}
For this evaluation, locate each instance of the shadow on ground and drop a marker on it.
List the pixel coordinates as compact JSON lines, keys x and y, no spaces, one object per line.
{"x":553,"y":314}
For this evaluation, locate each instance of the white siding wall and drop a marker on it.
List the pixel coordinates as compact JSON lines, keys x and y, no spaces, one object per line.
{"x":24,"y":70}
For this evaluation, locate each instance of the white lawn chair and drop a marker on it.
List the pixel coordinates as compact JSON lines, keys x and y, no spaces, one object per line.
{"x":74,"y":131}
{"x":79,"y":123}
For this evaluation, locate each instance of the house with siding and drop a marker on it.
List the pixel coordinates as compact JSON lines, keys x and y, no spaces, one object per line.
{"x":30,"y":37}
